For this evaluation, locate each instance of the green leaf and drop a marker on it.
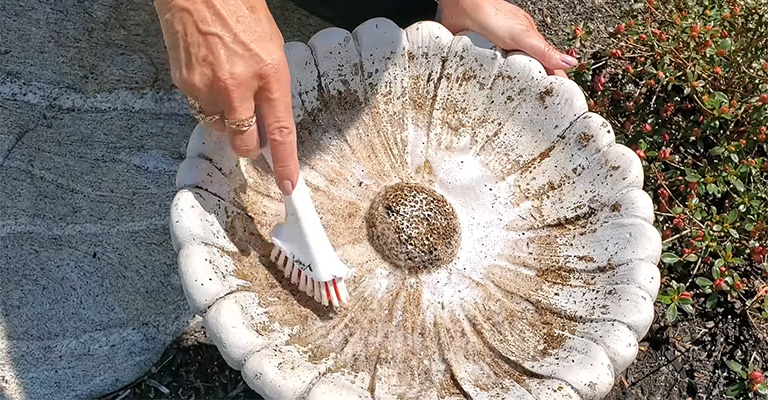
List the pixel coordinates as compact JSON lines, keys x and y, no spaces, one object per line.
{"x":734,"y":366}
{"x":732,"y":216}
{"x":669,"y":258}
{"x":762,"y":389}
{"x":737,"y":261}
{"x":733,"y":233}
{"x":735,"y":389}
{"x":717,"y":228}
{"x":725,"y":44}
{"x":712,"y":301}
{"x":684,"y":301}
{"x":672,"y":313}
{"x":719,"y":263}
{"x":687,"y":308}
{"x":716,"y":151}
{"x":711,"y":188}
{"x":694,"y":177}
{"x":720,"y":96}
{"x":736,"y":182}
{"x":691,"y":257}
{"x":702,"y":281}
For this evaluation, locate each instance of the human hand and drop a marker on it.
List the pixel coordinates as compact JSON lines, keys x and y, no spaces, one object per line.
{"x":507,"y":26}
{"x":228,"y":55}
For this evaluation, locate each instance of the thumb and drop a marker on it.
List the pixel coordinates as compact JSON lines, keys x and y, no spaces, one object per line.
{"x":537,"y":47}
{"x":275,"y":110}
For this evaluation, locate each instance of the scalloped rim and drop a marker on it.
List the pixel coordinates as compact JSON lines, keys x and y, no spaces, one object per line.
{"x":210,"y":286}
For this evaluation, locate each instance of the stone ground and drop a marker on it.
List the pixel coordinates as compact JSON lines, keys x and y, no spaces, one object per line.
{"x":91,"y":134}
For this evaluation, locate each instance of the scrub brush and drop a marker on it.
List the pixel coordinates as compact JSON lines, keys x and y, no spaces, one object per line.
{"x":302,"y":250}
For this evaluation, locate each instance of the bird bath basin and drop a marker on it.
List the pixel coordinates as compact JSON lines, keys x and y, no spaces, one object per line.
{"x":501,"y":242}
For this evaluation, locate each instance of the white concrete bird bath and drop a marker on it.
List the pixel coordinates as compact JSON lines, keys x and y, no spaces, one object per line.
{"x":544,"y":290}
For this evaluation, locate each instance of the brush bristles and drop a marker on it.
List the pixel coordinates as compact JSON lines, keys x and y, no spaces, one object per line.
{"x":333,"y":292}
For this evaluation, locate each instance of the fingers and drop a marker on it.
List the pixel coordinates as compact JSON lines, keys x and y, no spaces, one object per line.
{"x":242,"y":108}
{"x":557,"y":72}
{"x":537,"y":47}
{"x":510,"y":28}
{"x":275,"y":110}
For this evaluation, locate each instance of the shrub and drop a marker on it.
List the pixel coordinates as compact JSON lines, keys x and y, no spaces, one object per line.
{"x":685,"y":85}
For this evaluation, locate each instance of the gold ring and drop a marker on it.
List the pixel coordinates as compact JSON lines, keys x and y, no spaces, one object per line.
{"x":241,"y":124}
{"x":197,"y":111}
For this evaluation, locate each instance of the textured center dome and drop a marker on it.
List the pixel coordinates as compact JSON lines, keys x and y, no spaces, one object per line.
{"x":413,"y":226}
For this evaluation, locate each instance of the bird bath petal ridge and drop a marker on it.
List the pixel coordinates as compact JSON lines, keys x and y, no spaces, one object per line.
{"x":501,"y":241}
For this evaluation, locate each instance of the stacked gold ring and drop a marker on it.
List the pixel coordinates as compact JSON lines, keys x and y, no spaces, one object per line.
{"x":198,"y":112}
{"x":241,"y":124}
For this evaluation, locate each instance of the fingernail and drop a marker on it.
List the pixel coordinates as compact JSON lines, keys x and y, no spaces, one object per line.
{"x":286,"y":187}
{"x":568,"y":60}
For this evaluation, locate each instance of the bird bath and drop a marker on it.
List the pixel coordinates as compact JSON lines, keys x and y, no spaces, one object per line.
{"x":501,"y":242}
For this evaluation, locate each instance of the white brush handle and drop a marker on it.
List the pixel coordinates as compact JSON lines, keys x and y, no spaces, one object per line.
{"x":304,"y":237}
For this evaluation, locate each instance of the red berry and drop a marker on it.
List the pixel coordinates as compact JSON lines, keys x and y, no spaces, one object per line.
{"x":765,"y":66}
{"x":718,"y":283}
{"x":717,"y":71}
{"x":752,"y":162}
{"x":578,"y":31}
{"x":756,"y":377}
{"x":663,"y":155}
{"x":742,"y":142}
{"x":665,"y":138}
{"x":761,"y":137}
{"x":723,"y":270}
{"x":647,"y":128}
{"x":660,"y":74}
{"x":666,"y":234}
{"x":631,"y":23}
{"x":736,"y":10}
{"x":615,"y":53}
{"x":628,"y":69}
{"x":678,"y":223}
{"x":724,"y":34}
{"x":685,"y":295}
{"x":582,"y":67}
{"x":572,"y":53}
{"x":687,"y":252}
{"x":651,"y":83}
{"x":696,"y":28}
{"x":724,"y":110}
{"x":721,"y":53}
{"x":640,"y":154}
{"x":764,"y":98}
{"x":758,"y":250}
{"x":739,"y":286}
{"x":629,"y":107}
{"x":642,"y":37}
{"x":620,"y":28}
{"x":726,"y":16}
